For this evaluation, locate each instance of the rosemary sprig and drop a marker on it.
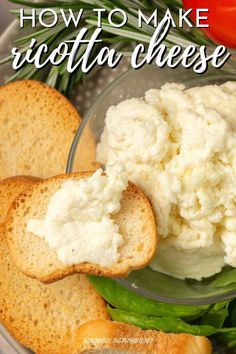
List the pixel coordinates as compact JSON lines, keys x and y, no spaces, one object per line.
{"x":127,"y":36}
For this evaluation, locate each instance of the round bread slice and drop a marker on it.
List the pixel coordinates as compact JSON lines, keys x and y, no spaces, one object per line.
{"x":44,"y":318}
{"x":37,"y":127}
{"x":33,"y":256}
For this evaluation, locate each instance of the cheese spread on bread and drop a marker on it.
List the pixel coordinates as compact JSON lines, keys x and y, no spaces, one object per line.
{"x":78,"y":223}
{"x":179,"y":146}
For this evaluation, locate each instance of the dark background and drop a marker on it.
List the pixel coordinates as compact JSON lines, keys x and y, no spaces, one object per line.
{"x":5,"y":16}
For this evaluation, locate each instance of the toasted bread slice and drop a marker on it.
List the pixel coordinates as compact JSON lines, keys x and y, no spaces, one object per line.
{"x":32,"y":255}
{"x":9,"y":189}
{"x":37,"y":127}
{"x":44,"y":318}
{"x":120,"y":338}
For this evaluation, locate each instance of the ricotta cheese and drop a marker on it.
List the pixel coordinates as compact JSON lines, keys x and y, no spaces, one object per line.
{"x":78,"y":223}
{"x":179,"y":146}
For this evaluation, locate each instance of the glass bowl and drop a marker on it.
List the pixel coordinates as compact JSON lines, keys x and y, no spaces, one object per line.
{"x":134,"y":83}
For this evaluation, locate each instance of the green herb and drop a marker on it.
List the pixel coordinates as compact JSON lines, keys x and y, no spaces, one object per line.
{"x":226,"y":277}
{"x":169,"y":324}
{"x":216,"y":315}
{"x":232,"y":311}
{"x":125,"y":38}
{"x":228,"y":337}
{"x":216,"y":319}
{"x":124,"y":299}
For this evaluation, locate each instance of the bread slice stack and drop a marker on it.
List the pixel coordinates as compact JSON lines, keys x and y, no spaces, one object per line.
{"x":68,"y":316}
{"x":32,"y":255}
{"x":37,"y":127}
{"x":44,"y":318}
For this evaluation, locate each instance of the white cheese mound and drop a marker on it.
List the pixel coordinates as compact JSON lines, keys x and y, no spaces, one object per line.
{"x":179,"y":146}
{"x":78,"y":223}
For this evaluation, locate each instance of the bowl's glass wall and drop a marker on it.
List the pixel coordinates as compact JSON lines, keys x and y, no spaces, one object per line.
{"x":133,"y":84}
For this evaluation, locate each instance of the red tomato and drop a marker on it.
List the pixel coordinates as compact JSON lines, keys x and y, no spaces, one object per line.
{"x":221,"y":19}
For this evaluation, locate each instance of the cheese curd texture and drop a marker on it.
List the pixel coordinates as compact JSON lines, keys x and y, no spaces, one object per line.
{"x":78,"y":223}
{"x":179,"y":146}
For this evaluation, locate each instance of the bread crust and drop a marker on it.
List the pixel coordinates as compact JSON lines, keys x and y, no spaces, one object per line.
{"x":55,"y":270}
{"x":110,"y":335}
